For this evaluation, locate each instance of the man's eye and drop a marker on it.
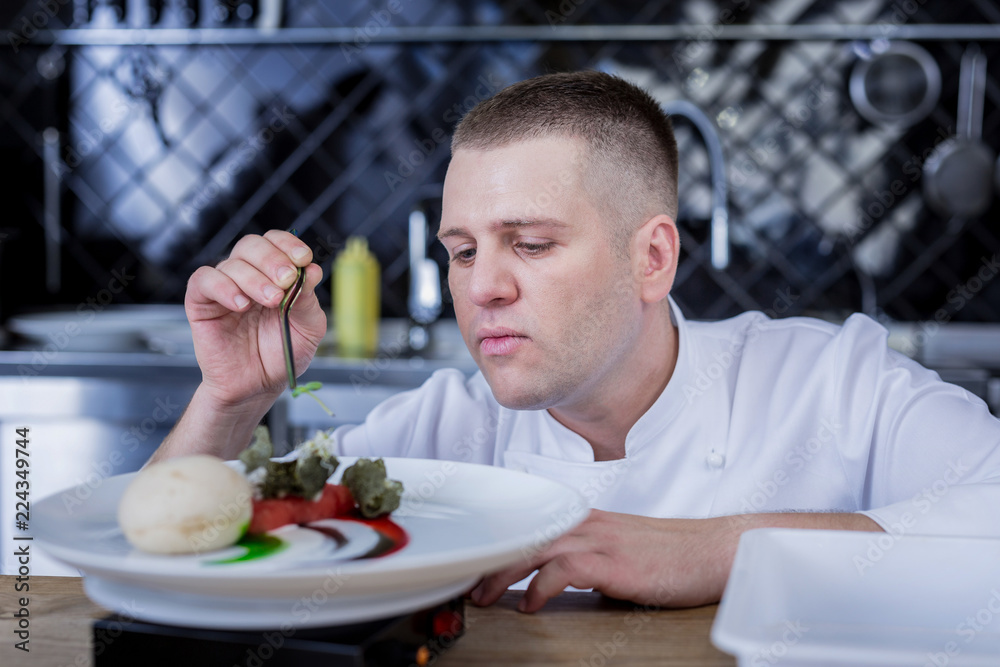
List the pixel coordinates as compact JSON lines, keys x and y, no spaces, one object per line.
{"x":535,"y":248}
{"x":464,"y":256}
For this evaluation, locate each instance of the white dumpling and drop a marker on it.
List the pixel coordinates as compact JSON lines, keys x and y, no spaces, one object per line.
{"x":189,"y":504}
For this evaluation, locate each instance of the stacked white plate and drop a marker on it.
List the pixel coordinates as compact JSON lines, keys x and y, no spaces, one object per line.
{"x":95,"y":328}
{"x":820,"y":597}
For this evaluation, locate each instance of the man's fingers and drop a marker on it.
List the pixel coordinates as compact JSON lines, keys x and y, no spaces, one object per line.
{"x":313,"y":277}
{"x":291,"y":245}
{"x":493,"y":586}
{"x":261,"y":269}
{"x":579,"y":569}
{"x":307,"y":316}
{"x":253,"y":282}
{"x":212,"y":293}
{"x":268,"y":258}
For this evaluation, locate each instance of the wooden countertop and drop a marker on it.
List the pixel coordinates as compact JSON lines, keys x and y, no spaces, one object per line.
{"x":573,"y":629}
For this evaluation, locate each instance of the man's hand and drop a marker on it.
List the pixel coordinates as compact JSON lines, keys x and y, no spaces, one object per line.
{"x":661,"y":562}
{"x":233,"y":310}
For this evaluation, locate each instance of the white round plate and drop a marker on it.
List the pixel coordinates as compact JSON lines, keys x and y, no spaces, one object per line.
{"x":109,"y":329}
{"x":462,"y":521}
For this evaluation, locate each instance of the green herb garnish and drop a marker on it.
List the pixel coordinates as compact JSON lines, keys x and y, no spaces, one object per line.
{"x":305,"y":476}
{"x":309,"y":388}
{"x":374,"y":493}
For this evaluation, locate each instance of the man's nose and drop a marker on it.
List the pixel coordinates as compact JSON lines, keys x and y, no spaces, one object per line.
{"x":491,"y":282}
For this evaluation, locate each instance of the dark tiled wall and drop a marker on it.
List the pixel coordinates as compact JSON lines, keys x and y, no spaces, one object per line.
{"x":170,"y":153}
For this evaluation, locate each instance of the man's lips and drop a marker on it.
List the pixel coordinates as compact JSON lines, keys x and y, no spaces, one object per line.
{"x":499,"y":341}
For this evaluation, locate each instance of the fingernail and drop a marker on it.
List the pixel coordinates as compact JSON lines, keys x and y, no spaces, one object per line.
{"x":522,"y":604}
{"x":271,"y":292}
{"x":300,"y":252}
{"x":241,"y":301}
{"x":285,"y":274}
{"x":477,"y":594}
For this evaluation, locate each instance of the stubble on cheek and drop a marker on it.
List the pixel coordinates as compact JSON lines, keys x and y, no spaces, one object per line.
{"x":594,"y":329}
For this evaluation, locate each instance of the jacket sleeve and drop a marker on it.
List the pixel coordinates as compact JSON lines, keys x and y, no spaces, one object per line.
{"x":933,"y":460}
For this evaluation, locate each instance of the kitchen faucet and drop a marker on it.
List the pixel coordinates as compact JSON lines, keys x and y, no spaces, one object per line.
{"x":424,"y":303}
{"x":719,"y":233}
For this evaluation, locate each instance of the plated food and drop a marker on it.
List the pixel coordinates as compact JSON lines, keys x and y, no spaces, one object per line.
{"x":196,"y":504}
{"x":186,"y":505}
{"x":456,"y":522}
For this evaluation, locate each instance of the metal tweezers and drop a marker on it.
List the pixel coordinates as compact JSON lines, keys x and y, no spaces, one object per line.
{"x":286,"y":333}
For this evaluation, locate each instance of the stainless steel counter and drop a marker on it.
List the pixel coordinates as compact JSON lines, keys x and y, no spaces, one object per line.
{"x":103,"y":350}
{"x":401,"y":371}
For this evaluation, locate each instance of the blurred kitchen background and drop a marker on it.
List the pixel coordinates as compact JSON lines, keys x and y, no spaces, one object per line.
{"x":167,"y":154}
{"x":140,"y":138}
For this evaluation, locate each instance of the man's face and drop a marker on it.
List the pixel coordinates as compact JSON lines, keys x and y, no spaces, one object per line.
{"x":546,"y":307}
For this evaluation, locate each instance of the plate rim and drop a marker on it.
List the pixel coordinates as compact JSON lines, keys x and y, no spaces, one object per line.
{"x":488,"y":553}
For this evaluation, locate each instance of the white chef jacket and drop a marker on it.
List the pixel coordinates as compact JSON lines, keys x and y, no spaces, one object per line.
{"x":760,"y":415}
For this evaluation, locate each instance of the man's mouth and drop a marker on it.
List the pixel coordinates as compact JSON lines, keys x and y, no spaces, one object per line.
{"x":499,"y":341}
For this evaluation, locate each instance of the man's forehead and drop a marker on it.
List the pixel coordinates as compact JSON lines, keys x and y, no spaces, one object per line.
{"x":569,"y":151}
{"x":526,"y":184}
{"x":541,"y":170}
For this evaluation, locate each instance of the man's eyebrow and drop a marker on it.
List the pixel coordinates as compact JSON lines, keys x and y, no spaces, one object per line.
{"x":454,"y":231}
{"x":506,"y":224}
{"x":531,"y":222}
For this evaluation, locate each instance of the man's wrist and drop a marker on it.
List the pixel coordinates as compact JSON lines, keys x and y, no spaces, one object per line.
{"x":211,"y":425}
{"x":729,"y":529}
{"x":221,"y":402}
{"x":806,"y":520}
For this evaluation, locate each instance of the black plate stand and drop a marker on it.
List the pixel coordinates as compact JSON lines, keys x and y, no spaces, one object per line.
{"x":411,"y":640}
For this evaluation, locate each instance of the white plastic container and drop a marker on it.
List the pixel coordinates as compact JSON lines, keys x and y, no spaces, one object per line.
{"x":819,"y":597}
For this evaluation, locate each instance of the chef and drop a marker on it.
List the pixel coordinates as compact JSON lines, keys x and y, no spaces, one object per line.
{"x":559,"y":217}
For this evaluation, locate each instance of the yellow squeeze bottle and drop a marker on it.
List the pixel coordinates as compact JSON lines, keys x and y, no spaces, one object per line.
{"x":356,"y":299}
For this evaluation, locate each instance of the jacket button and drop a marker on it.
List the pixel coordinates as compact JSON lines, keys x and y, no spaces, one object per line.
{"x":715,"y":460}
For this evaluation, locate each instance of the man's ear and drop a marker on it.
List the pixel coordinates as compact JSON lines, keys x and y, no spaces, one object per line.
{"x":655,"y":250}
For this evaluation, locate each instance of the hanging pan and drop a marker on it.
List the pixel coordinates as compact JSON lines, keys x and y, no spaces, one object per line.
{"x":894,"y":84}
{"x":958,"y":174}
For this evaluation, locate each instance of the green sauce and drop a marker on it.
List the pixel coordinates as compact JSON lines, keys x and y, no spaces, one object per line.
{"x":257,"y":546}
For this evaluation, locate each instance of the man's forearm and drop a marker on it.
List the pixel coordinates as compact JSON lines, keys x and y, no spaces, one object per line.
{"x":818,"y":520}
{"x":727,"y":531}
{"x":737,"y":524}
{"x":210,"y":427}
{"x":664,"y":562}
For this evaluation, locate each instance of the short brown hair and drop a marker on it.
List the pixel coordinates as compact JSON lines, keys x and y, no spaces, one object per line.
{"x":628,"y":136}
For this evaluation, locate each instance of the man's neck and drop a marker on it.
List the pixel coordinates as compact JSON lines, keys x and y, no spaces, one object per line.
{"x":605,"y":418}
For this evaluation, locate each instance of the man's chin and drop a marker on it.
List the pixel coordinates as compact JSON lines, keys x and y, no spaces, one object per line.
{"x":518,"y":396}
{"x":523,"y":403}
